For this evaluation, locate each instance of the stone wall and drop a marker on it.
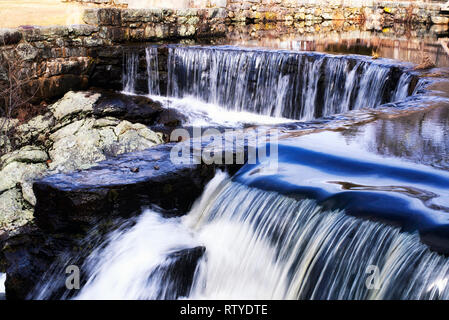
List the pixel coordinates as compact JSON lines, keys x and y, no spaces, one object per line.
{"x":158,"y":3}
{"x":321,"y":10}
{"x":309,"y":10}
{"x":63,"y":58}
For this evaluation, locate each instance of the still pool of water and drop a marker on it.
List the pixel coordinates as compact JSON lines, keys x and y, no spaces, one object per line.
{"x":401,"y":42}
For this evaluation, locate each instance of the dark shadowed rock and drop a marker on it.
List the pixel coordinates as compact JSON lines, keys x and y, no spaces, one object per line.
{"x":28,"y":256}
{"x":176,"y":273}
{"x":136,"y":109}
{"x":10,"y":36}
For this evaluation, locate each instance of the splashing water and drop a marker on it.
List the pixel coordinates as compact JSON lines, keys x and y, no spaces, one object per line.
{"x":204,"y":114}
{"x":129,"y":267}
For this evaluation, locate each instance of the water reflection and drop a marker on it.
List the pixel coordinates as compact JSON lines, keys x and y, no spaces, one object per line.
{"x":399,"y":41}
{"x":421,"y":137}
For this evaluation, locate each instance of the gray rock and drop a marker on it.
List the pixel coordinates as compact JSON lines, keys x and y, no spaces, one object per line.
{"x":74,"y":104}
{"x":83,"y":30}
{"x":19,"y":170}
{"x":14,"y":210}
{"x":77,"y":134}
{"x":28,"y":154}
{"x":27,"y":52}
{"x":76,"y":146}
{"x":81,"y":144}
{"x":17,"y":173}
{"x":36,"y":129}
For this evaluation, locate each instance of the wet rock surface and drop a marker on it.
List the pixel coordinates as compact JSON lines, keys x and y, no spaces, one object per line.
{"x":136,"y":109}
{"x":76,"y":200}
{"x":28,"y":257}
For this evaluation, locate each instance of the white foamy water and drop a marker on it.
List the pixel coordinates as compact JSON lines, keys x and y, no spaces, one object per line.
{"x":204,"y":114}
{"x":124,"y":268}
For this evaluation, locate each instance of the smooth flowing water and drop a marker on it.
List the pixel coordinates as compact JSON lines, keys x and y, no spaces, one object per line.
{"x":263,"y":245}
{"x":152,"y":60}
{"x":131,"y":66}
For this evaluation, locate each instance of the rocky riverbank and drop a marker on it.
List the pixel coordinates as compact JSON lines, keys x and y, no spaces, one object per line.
{"x":77,"y":131}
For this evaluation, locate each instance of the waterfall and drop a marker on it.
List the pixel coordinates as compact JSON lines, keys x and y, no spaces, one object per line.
{"x":295,"y":85}
{"x":152,"y":70}
{"x":281,"y":84}
{"x":403,"y":87}
{"x":263,"y":245}
{"x":130,"y":69}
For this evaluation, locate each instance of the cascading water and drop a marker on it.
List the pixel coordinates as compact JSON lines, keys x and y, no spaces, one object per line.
{"x":280,"y":83}
{"x":132,"y":265}
{"x":152,"y":60}
{"x":131,"y":67}
{"x":307,"y":253}
{"x":2,"y":285}
{"x":403,"y":87}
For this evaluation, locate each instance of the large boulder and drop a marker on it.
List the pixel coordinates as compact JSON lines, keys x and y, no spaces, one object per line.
{"x":118,"y":187}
